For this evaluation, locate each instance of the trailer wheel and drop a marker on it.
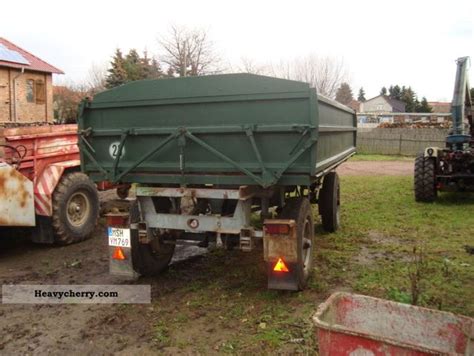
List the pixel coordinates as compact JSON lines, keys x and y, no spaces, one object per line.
{"x":75,"y":208}
{"x":299,"y":209}
{"x":425,"y":179}
{"x":149,"y":259}
{"x":329,"y":202}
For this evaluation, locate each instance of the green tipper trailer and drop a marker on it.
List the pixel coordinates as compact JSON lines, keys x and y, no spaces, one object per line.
{"x":207,"y":152}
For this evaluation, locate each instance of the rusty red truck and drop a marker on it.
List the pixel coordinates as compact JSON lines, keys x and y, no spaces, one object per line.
{"x":41,"y":185}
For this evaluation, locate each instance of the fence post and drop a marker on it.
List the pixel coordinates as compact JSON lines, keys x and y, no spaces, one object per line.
{"x":400,"y":146}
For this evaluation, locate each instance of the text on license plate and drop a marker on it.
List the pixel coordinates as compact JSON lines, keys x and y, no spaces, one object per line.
{"x":119,"y":237}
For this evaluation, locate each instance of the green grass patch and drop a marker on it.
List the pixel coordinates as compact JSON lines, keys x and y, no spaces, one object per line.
{"x":383,"y":226}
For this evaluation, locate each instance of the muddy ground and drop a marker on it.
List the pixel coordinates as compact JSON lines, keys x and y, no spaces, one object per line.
{"x":202,"y":324}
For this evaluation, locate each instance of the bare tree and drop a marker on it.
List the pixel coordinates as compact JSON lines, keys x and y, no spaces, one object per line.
{"x":248,"y":65}
{"x":324,"y":73}
{"x":189,"y":52}
{"x":95,"y":82}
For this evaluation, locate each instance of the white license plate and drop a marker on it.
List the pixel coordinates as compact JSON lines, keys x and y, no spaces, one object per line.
{"x":119,"y":237}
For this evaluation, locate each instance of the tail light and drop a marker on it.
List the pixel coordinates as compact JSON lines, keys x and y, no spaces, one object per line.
{"x":277,"y":229}
{"x":280,"y":266}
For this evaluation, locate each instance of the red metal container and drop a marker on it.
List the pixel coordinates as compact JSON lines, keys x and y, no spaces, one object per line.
{"x":41,"y":154}
{"x":356,"y":325}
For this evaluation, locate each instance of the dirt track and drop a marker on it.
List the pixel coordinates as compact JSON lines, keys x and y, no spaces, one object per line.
{"x":127,"y":329}
{"x":378,"y":168}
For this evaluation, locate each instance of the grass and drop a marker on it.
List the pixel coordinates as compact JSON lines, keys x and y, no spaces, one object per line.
{"x":219,"y":304}
{"x":375,"y":157}
{"x":381,"y":215}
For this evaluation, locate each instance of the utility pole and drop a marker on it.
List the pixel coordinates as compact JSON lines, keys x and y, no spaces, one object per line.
{"x":185,"y":64}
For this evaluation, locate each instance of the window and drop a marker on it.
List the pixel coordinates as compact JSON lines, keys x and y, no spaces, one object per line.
{"x":35,"y":91}
{"x":30,"y":91}
{"x":40,"y":92}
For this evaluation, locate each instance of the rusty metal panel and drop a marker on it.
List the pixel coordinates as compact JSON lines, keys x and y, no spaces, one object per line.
{"x":16,"y":198}
{"x":32,"y":149}
{"x":41,"y":154}
{"x":351,"y":324}
{"x":276,"y":246}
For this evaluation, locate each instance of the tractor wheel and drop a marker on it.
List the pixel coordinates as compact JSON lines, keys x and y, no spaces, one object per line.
{"x":329,"y":202}
{"x":152,"y":258}
{"x":299,"y":209}
{"x":75,"y":208}
{"x":425,"y":179}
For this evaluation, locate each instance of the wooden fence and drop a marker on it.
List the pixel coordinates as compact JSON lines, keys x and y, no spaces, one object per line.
{"x":399,"y":141}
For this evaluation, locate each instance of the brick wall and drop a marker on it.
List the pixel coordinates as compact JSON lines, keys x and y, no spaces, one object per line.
{"x":25,"y":111}
{"x":4,"y":95}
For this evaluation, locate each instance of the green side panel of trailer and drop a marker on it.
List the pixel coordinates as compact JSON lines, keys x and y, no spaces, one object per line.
{"x":231,"y":129}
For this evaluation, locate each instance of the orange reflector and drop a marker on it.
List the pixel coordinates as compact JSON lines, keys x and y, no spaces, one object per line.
{"x":280,"y":266}
{"x":118,"y":254}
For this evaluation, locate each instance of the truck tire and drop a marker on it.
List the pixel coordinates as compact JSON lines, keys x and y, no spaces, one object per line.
{"x":425,"y":179}
{"x":299,"y":209}
{"x":75,"y":208}
{"x":148,"y":261}
{"x":329,"y":202}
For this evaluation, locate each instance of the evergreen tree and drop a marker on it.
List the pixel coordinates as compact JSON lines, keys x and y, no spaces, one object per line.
{"x":424,"y":106}
{"x":344,"y":94}
{"x":383,"y":91}
{"x":132,"y":67}
{"x":472,"y":94}
{"x":395,"y":92}
{"x":117,"y":73}
{"x":361,"y":96}
{"x":408,"y":96}
{"x":154,"y":70}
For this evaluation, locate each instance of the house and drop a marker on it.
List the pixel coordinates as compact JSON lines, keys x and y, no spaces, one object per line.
{"x":355,"y":105}
{"x":440,"y":107}
{"x":26,"y":85}
{"x":382,"y":104}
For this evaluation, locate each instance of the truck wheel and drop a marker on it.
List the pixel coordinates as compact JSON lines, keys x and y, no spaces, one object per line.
{"x":299,"y":209}
{"x":425,"y":179}
{"x":75,"y":208}
{"x":329,"y":202}
{"x":149,"y":259}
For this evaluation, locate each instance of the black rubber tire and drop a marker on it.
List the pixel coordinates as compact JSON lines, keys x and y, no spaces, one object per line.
{"x":425,"y":179}
{"x":329,"y":202}
{"x":299,"y":209}
{"x":70,"y":186}
{"x":147,"y":261}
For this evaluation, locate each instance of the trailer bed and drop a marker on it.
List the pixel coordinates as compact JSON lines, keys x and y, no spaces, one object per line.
{"x":234,"y":129}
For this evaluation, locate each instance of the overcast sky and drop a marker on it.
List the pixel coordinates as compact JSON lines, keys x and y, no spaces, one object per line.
{"x":398,"y":42}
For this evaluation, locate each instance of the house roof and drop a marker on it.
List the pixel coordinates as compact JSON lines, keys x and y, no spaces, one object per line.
{"x":355,"y":105}
{"x":35,"y":63}
{"x":394,"y":103}
{"x":440,"y":106}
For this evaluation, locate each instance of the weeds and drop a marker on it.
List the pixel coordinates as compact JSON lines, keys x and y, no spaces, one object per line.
{"x":416,"y":274}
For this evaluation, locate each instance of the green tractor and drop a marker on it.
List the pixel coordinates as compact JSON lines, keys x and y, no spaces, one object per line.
{"x":450,"y":168}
